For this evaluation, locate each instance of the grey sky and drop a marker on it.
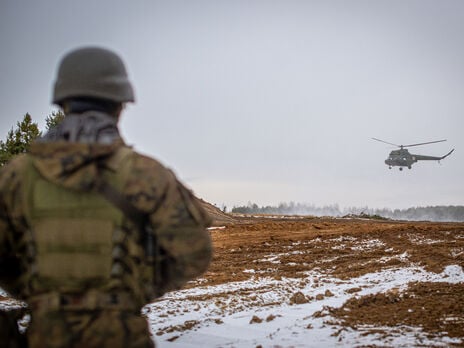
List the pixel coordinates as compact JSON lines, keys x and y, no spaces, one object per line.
{"x":266,"y":101}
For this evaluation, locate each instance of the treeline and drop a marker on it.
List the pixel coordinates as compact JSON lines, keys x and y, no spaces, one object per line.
{"x":430,"y":213}
{"x":19,"y":139}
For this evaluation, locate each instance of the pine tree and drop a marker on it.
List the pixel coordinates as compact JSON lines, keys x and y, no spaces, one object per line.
{"x":18,"y":140}
{"x":54,"y":119}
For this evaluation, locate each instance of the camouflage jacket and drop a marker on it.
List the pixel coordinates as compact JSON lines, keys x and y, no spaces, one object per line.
{"x":178,"y":219}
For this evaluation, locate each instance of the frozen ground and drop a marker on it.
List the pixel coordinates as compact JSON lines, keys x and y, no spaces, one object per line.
{"x":290,"y":282}
{"x":315,"y":282}
{"x":263,"y":312}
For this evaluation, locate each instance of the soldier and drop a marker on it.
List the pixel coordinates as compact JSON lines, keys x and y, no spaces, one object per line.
{"x":90,"y":230}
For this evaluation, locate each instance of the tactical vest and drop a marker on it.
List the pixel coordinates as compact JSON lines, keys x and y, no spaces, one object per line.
{"x":75,"y":237}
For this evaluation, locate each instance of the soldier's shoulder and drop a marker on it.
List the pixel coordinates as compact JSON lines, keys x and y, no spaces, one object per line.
{"x":11,"y":173}
{"x":148,"y":167}
{"x":145,"y":162}
{"x":15,"y":165}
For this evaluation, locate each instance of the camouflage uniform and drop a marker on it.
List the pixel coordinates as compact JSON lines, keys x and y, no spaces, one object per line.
{"x":77,"y":298}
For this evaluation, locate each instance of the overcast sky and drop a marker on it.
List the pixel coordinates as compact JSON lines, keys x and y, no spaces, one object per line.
{"x":266,"y":101}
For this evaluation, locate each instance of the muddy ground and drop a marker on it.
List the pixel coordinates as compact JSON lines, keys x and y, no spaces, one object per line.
{"x":247,"y":248}
{"x":345,"y":249}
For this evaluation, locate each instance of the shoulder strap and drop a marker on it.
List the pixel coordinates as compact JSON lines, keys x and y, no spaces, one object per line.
{"x":138,"y":217}
{"x":153,"y":252}
{"x":119,"y":162}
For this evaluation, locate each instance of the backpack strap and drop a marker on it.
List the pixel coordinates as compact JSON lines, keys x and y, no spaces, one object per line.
{"x":112,"y":195}
{"x":121,"y":163}
{"x":139,"y":218}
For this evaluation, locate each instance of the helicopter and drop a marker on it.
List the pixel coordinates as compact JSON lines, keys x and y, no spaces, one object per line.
{"x":402,"y":157}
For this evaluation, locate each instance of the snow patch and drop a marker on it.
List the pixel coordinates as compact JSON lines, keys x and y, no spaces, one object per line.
{"x":236,"y":315}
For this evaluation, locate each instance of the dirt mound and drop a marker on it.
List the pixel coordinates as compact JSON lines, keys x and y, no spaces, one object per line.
{"x":217,"y":215}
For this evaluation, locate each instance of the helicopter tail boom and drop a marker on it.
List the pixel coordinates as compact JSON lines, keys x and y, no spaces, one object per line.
{"x":431,"y":158}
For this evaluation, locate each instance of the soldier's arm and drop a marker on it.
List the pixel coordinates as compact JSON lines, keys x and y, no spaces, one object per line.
{"x":178,"y":219}
{"x":182,"y":236}
{"x":5,"y":247}
{"x":10,"y":202}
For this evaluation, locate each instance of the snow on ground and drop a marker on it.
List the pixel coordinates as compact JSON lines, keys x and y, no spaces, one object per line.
{"x":260,"y":312}
{"x":268,"y":311}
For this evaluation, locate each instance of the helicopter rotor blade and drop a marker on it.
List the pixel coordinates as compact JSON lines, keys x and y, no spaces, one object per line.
{"x":429,"y":142}
{"x":386,"y":142}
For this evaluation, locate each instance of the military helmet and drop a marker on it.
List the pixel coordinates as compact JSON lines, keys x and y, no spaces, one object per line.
{"x":92,"y":72}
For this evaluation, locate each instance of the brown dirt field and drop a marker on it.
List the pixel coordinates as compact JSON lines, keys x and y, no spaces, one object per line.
{"x":290,"y":247}
{"x":348,"y":248}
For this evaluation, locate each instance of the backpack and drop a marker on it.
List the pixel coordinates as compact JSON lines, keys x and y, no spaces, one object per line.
{"x":73,"y":234}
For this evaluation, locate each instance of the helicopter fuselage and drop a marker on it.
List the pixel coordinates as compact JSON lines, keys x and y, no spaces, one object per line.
{"x":400,"y":158}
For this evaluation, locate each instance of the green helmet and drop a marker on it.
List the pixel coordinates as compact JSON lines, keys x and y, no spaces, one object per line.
{"x":92,"y":72}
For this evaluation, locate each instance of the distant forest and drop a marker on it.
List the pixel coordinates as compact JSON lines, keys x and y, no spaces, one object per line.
{"x":435,"y":213}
